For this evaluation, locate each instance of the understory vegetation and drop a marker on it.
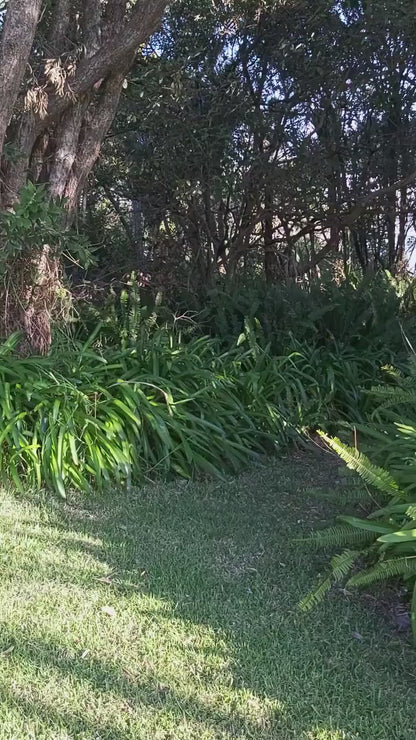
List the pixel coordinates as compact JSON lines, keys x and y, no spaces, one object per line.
{"x":171,"y":611}
{"x":207,"y":279}
{"x":149,"y":395}
{"x":143,"y":397}
{"x":382,"y":540}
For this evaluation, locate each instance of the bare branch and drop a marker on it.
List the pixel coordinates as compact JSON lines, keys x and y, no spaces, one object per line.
{"x":347,"y":220}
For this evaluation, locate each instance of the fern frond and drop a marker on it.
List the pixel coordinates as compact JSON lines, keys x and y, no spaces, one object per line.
{"x":394,"y":372}
{"x":342,"y":563}
{"x":339,"y":536}
{"x":342,"y":496}
{"x":390,"y":396}
{"x":394,"y":509}
{"x":388,"y":391}
{"x":384,"y":570}
{"x":373,"y":475}
{"x":313,"y":598}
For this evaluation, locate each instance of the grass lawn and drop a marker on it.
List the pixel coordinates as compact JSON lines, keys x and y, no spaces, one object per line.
{"x":172,"y":613}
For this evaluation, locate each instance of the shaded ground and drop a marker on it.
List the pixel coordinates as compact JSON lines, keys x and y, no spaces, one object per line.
{"x":171,"y":613}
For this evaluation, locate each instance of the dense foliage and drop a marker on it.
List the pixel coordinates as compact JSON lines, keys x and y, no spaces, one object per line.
{"x":168,"y":404}
{"x":262,"y":138}
{"x":383,"y":542}
{"x":235,"y":272}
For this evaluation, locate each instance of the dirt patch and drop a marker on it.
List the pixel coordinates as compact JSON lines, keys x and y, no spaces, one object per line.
{"x":394,"y":606}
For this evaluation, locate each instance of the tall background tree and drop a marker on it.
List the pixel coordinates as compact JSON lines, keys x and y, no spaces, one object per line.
{"x":268,"y":137}
{"x":233,"y":139}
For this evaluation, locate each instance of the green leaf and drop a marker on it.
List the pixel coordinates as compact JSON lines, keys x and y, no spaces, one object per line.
{"x":413,"y":613}
{"x":401,"y":536}
{"x":384,"y":570}
{"x":367,"y":525}
{"x":373,"y":475}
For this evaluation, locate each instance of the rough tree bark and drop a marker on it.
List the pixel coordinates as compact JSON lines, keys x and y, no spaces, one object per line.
{"x":54,"y":122}
{"x":16,"y":43}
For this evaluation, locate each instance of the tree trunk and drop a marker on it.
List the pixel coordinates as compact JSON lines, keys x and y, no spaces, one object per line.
{"x":137,"y":230}
{"x":270,"y":258}
{"x":16,"y":42}
{"x":57,"y":138}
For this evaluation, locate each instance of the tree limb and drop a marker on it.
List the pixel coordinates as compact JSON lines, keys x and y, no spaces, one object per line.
{"x":16,"y":42}
{"x":144,"y":20}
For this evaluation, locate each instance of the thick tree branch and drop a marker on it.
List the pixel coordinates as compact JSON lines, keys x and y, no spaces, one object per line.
{"x":57,"y":37}
{"x":119,"y":44}
{"x":94,"y":130}
{"x":114,"y":15}
{"x":144,"y":20}
{"x":16,"y":42}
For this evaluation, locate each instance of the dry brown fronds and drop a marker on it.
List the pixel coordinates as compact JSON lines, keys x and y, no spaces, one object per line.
{"x":36,"y":99}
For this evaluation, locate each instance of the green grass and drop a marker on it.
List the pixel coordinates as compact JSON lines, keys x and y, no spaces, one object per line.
{"x":171,"y":613}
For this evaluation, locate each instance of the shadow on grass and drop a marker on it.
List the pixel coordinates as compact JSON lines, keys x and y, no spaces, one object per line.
{"x":222,"y":556}
{"x":103,"y":678}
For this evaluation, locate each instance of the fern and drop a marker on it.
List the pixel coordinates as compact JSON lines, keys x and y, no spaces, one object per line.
{"x":339,"y":536}
{"x":316,"y":596}
{"x":374,"y":476}
{"x":393,"y":509}
{"x":343,"y":496}
{"x":391,"y":397}
{"x":341,"y":565}
{"x":390,"y":391}
{"x":385,"y":570}
{"x":387,"y":531}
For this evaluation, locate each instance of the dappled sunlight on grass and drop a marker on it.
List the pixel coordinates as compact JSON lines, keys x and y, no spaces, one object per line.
{"x":172,"y":613}
{"x":122,"y":666}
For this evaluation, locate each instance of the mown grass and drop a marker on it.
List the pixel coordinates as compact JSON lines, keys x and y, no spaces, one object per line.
{"x":171,"y":613}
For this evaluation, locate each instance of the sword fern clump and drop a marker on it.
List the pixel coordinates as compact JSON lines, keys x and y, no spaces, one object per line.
{"x":382,"y":543}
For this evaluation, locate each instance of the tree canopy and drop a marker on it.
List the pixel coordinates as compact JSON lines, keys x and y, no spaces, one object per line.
{"x":201,"y":141}
{"x":279,"y":129}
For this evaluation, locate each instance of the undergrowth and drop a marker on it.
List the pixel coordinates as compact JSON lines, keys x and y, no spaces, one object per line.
{"x":98,"y":416}
{"x":146,"y":397}
{"x":381,"y":544}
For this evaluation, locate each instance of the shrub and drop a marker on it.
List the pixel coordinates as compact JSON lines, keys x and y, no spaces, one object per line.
{"x":34,"y":245}
{"x":164,"y":406}
{"x":381,"y":545}
{"x":118,"y":417}
{"x":125,"y":313}
{"x":360,"y":313}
